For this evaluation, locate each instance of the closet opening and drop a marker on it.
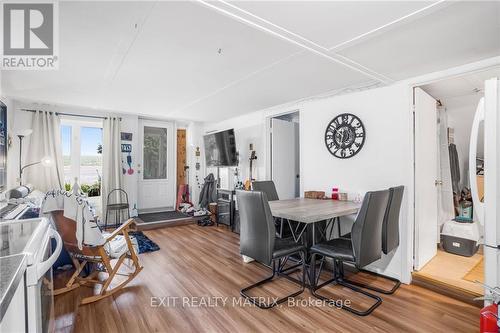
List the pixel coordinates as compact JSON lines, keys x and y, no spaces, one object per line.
{"x":449,"y":230}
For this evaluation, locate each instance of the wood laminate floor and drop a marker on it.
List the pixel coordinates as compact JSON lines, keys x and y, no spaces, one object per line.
{"x":198,"y":267}
{"x":456,"y":271}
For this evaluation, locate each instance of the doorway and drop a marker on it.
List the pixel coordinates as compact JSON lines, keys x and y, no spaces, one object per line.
{"x":285,"y":154}
{"x":157,"y":168}
{"x":448,"y":235}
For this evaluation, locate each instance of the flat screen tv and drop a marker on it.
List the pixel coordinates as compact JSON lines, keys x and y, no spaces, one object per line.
{"x":220,"y":149}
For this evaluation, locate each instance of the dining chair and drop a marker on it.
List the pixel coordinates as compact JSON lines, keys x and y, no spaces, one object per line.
{"x":361,"y":250}
{"x":258,"y":241}
{"x":269,"y":188}
{"x":390,"y":238}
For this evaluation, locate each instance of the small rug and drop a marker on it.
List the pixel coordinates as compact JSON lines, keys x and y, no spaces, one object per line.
{"x":476,"y":273}
{"x":162,"y":216}
{"x":145,"y":244}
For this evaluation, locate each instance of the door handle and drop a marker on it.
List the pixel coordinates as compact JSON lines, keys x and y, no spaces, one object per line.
{"x":44,"y":266}
{"x":438,"y":182}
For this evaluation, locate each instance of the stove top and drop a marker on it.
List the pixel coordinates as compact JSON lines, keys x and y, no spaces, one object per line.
{"x":15,"y":235}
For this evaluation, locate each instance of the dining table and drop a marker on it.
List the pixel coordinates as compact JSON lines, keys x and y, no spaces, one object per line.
{"x":312,"y":220}
{"x":302,"y":214}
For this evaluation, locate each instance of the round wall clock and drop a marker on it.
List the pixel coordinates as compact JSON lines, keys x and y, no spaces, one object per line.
{"x":345,"y":136}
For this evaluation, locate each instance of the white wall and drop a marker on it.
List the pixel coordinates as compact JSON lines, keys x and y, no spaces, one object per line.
{"x":195,"y":139}
{"x":384,"y":161}
{"x":130,"y":124}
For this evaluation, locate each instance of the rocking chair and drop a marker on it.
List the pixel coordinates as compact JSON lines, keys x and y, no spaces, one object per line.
{"x":117,"y":245}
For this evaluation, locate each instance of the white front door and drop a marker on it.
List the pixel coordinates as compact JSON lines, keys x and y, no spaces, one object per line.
{"x":426,"y":177}
{"x":156,"y":166}
{"x":285,"y":157}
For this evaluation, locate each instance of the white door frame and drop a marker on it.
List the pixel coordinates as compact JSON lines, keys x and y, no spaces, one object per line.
{"x":407,"y":261}
{"x":268,"y":143}
{"x":171,"y":162}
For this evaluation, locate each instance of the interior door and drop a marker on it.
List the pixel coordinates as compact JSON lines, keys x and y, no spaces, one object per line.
{"x":157,"y":166}
{"x":285,"y":157}
{"x":426,"y":177}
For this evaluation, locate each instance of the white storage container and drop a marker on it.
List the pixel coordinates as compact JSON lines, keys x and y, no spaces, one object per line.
{"x":460,"y":238}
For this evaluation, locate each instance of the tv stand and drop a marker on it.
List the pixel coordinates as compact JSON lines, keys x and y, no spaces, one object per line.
{"x":227,"y":212}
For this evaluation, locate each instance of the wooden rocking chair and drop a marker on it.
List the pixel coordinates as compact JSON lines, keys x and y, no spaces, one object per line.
{"x":99,"y":255}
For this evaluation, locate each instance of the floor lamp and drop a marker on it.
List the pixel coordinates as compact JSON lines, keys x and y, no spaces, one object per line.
{"x":46,"y":161}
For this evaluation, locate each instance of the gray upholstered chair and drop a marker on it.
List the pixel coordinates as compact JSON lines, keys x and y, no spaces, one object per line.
{"x":258,"y":241}
{"x":362,"y":250}
{"x":268,"y":187}
{"x":390,"y":237}
{"x":390,"y":228}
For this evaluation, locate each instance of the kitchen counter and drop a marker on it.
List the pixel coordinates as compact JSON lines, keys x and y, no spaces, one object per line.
{"x":12,"y":269}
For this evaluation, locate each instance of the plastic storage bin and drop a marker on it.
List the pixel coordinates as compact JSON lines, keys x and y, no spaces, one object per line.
{"x":460,"y":238}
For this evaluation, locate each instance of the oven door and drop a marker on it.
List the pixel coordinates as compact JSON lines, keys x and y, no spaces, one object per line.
{"x":40,"y":286}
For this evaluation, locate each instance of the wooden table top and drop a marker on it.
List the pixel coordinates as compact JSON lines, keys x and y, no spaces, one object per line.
{"x":312,"y":210}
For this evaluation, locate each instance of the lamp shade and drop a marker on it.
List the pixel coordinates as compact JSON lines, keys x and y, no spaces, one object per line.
{"x":25,"y":132}
{"x":46,"y":161}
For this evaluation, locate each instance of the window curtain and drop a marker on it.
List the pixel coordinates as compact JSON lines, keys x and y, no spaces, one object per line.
{"x":45,"y":141}
{"x":111,"y":161}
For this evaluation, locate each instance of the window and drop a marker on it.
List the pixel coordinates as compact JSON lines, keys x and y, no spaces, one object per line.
{"x":82,"y":154}
{"x":155,"y":153}
{"x":90,"y":155}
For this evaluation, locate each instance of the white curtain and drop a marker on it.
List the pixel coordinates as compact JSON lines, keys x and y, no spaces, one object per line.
{"x":45,"y":141}
{"x":111,"y":160}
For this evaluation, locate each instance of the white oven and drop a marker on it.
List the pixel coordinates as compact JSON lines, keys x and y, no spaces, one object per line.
{"x":34,"y":237}
{"x":39,"y":283}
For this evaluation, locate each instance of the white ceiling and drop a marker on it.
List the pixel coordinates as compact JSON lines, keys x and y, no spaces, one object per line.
{"x":461,"y":86}
{"x":162,"y":59}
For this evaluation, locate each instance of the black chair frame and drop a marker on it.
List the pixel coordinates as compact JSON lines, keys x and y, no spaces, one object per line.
{"x":339,"y":278}
{"x":277,"y":270}
{"x":391,"y":291}
{"x":390,"y":208}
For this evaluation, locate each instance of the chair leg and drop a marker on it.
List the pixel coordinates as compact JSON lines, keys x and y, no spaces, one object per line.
{"x":391,"y":291}
{"x":339,"y":279}
{"x":263,"y":305}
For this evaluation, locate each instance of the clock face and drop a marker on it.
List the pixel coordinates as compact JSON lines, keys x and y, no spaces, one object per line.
{"x":345,"y":136}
